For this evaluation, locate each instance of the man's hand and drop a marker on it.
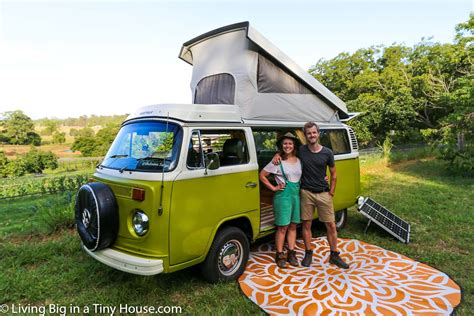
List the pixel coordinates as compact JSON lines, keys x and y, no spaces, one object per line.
{"x":276,"y":159}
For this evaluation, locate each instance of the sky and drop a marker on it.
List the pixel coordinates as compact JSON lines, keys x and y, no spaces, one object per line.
{"x":63,"y":59}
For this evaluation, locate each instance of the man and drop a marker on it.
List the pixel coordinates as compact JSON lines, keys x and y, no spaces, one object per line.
{"x":315,"y":193}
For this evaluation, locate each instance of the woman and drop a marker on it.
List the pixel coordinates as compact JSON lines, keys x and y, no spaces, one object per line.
{"x":286,"y":201}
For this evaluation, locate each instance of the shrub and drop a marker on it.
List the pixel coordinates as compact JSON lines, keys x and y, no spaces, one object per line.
{"x":59,"y":137}
{"x":36,"y":161}
{"x":28,"y":186}
{"x":3,"y":164}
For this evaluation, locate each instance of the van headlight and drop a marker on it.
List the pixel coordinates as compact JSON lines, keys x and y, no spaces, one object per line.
{"x":140,"y":223}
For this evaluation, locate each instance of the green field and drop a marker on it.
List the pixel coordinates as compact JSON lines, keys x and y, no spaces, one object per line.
{"x":43,"y":264}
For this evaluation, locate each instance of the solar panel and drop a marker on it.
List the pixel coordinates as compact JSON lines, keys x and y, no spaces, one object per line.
{"x":384,"y":218}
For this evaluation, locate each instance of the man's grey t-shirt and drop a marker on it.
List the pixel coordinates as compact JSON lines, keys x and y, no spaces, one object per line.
{"x":314,"y":168}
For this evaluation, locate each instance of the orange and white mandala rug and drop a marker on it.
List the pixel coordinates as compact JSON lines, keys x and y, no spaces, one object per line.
{"x":378,"y":282}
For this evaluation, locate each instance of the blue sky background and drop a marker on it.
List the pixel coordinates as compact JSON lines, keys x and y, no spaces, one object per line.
{"x":65,"y":59}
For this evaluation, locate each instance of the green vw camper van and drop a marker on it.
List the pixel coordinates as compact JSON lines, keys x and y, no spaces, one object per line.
{"x":179,"y":185}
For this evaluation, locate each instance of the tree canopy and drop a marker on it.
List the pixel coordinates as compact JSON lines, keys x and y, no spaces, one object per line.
{"x":18,"y":129}
{"x":413,"y":93}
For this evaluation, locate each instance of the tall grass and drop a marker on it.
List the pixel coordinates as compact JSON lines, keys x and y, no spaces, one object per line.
{"x":56,"y":214}
{"x":386,"y":148}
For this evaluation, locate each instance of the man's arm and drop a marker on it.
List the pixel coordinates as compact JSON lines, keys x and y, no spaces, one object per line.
{"x":332,"y":171}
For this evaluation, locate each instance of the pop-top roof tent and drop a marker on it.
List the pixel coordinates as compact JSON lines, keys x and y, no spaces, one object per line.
{"x":235,"y":64}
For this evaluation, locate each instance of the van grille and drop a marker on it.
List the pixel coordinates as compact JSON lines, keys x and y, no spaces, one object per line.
{"x":354,"y":143}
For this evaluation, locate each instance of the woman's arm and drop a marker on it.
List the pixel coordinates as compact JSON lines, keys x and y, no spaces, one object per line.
{"x":264,"y":178}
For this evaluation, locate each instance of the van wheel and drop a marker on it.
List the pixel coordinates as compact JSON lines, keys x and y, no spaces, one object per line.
{"x":96,"y":215}
{"x":227,"y":257}
{"x":341,"y":219}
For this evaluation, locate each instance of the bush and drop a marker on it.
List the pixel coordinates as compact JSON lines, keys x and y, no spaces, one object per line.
{"x":28,"y":186}
{"x":59,"y":138}
{"x":3,"y":164}
{"x":16,"y":168}
{"x":36,"y":161}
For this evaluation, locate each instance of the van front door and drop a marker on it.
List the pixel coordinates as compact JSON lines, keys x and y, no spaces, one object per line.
{"x":203,"y":199}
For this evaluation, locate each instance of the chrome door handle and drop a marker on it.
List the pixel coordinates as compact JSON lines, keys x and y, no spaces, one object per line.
{"x":251,"y":185}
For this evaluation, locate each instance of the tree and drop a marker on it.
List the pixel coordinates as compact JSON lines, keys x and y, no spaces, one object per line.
{"x":73,"y":132}
{"x":59,"y":137}
{"x":51,"y":126}
{"x":85,"y":132}
{"x":455,"y":138}
{"x":410,"y":91}
{"x":18,"y":129}
{"x":95,"y":145}
{"x":87,"y":145}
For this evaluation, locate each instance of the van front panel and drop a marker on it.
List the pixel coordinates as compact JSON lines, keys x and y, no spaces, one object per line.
{"x":155,"y":242}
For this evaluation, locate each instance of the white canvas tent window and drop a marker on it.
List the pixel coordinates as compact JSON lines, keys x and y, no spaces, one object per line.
{"x":215,"y":89}
{"x":274,"y":79}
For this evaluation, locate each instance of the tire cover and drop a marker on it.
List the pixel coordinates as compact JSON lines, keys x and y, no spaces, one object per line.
{"x":96,"y":215}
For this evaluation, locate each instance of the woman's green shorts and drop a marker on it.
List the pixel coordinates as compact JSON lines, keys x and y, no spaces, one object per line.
{"x":286,"y":205}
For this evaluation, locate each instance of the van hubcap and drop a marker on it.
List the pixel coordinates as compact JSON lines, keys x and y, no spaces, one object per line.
{"x":230,"y":257}
{"x":86,"y":218}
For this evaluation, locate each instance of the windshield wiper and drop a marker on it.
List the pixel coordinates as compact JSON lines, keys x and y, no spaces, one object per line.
{"x":118,"y":156}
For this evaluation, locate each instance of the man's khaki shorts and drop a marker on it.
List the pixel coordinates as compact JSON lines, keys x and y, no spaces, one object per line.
{"x":321,"y":201}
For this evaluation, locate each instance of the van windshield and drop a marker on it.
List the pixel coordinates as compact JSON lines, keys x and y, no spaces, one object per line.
{"x":145,"y":146}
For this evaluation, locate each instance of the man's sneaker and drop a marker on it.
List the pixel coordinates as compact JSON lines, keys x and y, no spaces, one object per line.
{"x":336,"y":260}
{"x":280,"y":260}
{"x":292,"y":258}
{"x":308,"y":257}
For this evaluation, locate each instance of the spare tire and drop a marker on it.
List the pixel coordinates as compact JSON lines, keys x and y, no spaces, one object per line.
{"x":96,"y":214}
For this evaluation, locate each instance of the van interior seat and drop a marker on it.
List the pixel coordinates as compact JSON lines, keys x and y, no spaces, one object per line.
{"x":233,"y":152}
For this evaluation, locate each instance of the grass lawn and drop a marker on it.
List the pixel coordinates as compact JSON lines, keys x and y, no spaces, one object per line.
{"x":38,"y":268}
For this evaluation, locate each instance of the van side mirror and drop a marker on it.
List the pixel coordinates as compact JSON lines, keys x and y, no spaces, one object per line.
{"x":212,"y":161}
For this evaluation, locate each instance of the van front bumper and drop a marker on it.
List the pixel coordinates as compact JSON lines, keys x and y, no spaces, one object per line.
{"x":125,"y":262}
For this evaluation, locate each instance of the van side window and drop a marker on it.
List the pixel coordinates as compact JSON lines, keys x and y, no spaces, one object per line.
{"x":336,"y":140}
{"x":230,"y":145}
{"x":266,"y":142}
{"x":194,"y":159}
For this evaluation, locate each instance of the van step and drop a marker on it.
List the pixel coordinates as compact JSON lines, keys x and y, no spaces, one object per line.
{"x":267,"y":218}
